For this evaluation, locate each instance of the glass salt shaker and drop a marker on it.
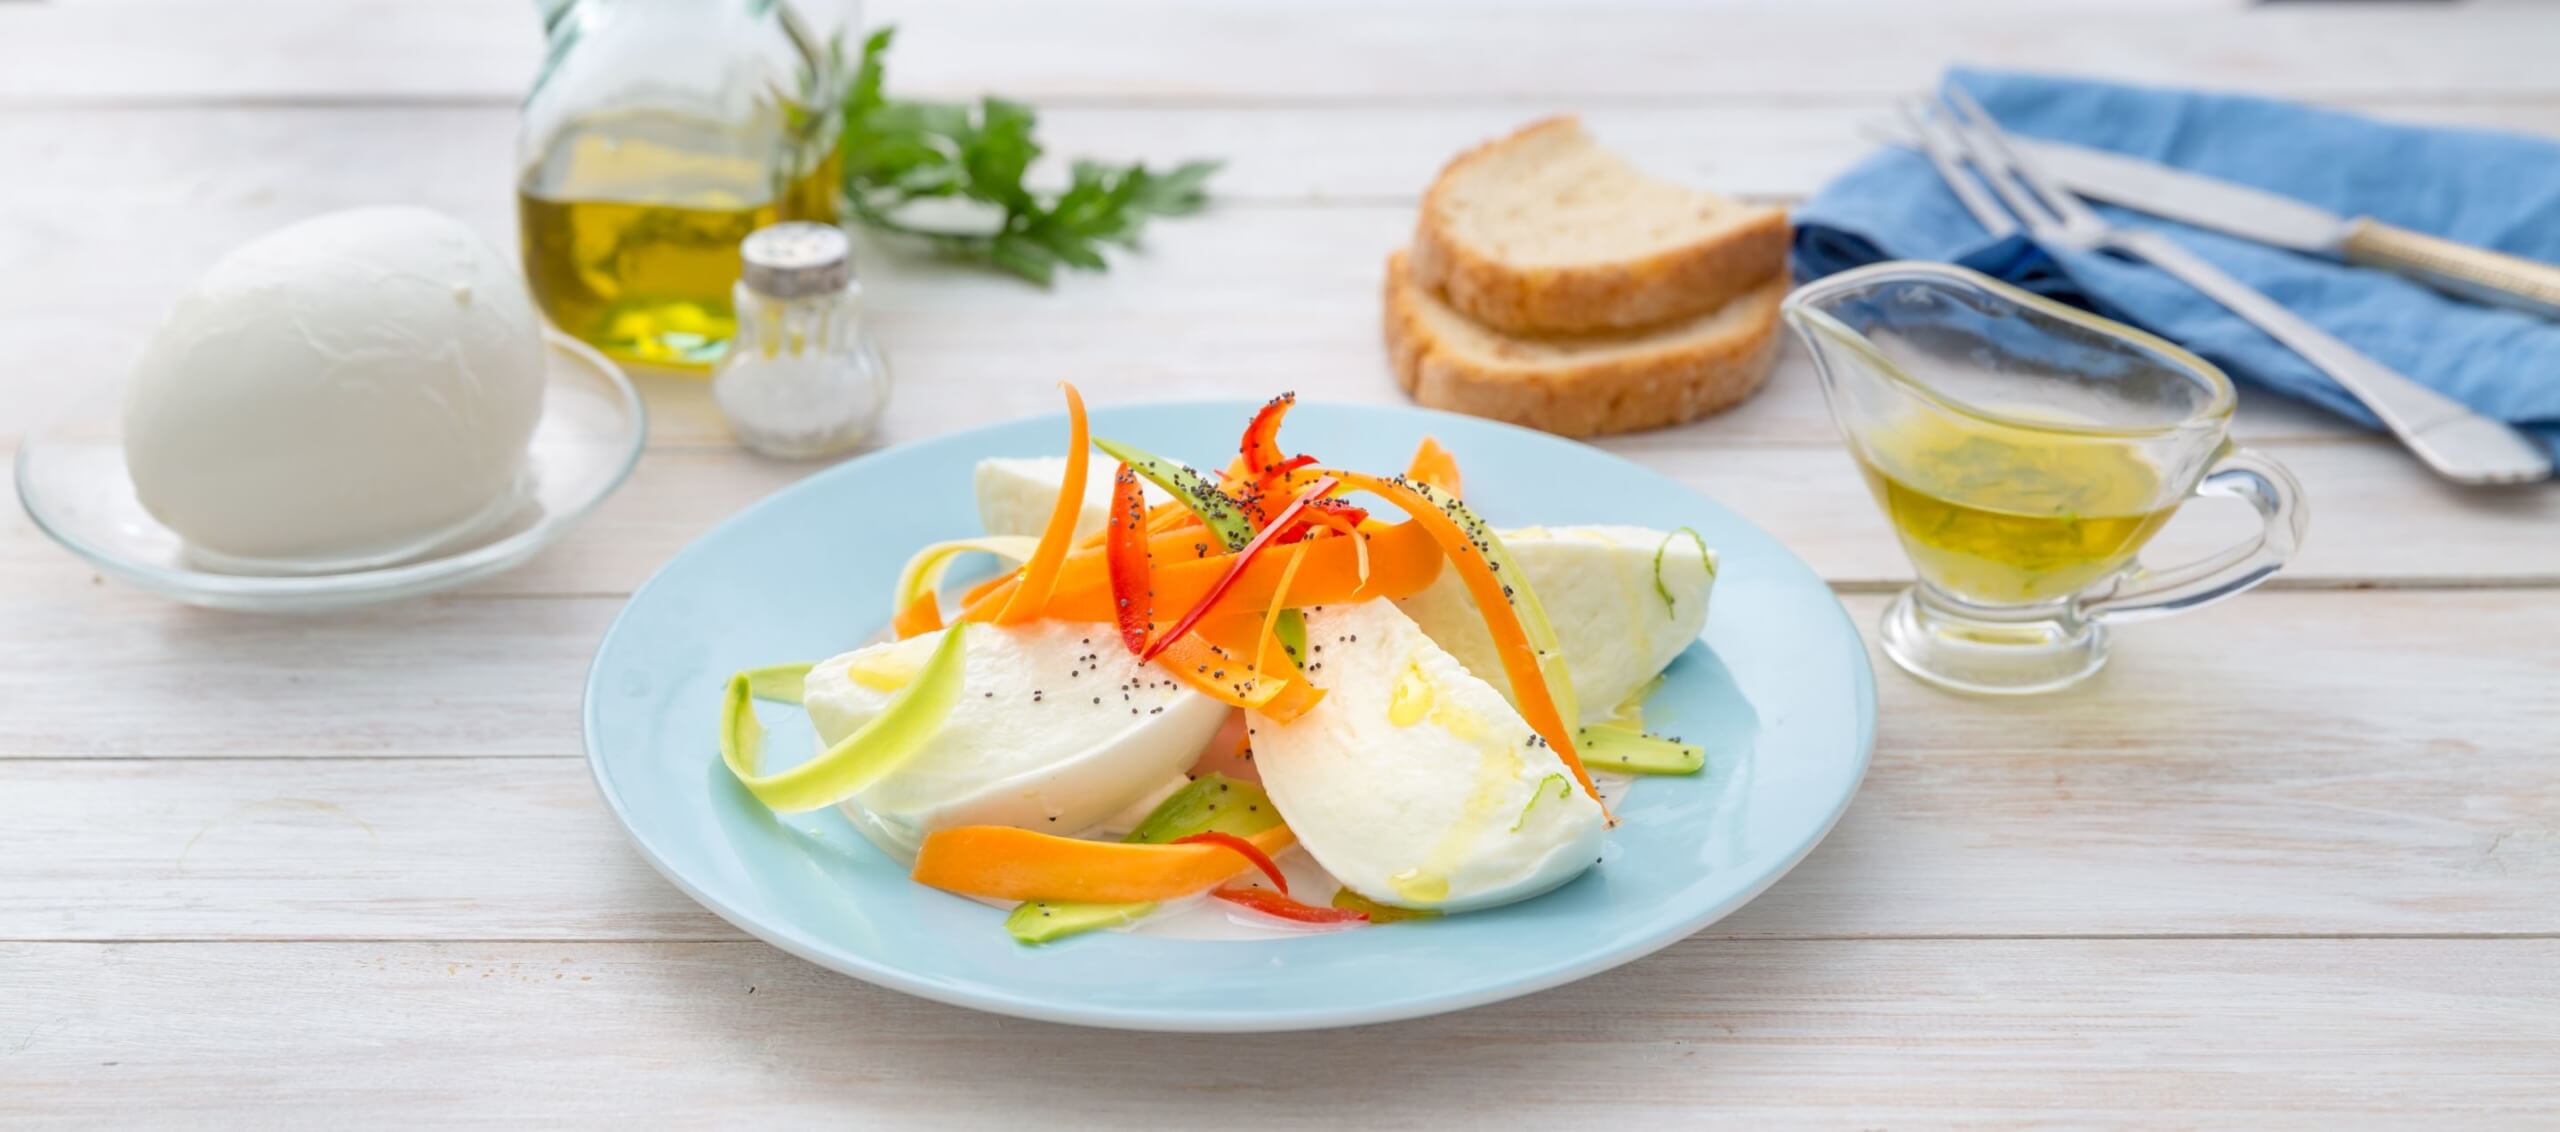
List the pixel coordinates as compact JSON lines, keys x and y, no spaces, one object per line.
{"x":802,"y":378}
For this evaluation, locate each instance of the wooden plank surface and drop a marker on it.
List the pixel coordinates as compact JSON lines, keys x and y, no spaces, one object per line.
{"x":2397,"y":785}
{"x":2267,"y":1034}
{"x":1321,"y":51}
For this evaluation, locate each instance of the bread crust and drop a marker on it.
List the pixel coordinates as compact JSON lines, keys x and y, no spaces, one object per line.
{"x":1680,"y":382}
{"x":1666,"y":286}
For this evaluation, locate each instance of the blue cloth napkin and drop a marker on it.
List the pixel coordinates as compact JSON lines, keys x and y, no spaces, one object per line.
{"x":2495,"y":190}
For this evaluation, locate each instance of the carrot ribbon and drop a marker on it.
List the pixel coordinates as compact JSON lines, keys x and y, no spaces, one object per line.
{"x":1003,"y":863}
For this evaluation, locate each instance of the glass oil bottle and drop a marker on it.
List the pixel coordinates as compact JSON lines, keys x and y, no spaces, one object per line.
{"x":659,"y":134}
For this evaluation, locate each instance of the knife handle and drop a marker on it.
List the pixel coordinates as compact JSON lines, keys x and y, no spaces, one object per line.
{"x":2477,"y":274}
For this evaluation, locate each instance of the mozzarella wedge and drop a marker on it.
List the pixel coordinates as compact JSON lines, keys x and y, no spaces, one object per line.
{"x":1057,"y":729}
{"x":1015,"y":494}
{"x":1615,"y":629}
{"x":1413,"y":782}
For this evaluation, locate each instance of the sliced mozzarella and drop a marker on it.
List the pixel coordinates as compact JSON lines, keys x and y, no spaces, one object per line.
{"x":1597,"y":584}
{"x":1015,"y":495}
{"x":1057,"y":729}
{"x":1412,"y":781}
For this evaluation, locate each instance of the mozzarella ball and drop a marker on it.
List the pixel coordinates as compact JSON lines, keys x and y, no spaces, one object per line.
{"x":355,"y":389}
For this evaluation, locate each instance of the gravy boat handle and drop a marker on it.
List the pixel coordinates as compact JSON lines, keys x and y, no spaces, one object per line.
{"x":2238,"y":473}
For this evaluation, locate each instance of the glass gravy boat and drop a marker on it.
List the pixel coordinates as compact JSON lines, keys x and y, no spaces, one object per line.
{"x":2024,"y":452}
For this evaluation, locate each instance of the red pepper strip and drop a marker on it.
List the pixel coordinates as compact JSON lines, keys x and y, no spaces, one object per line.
{"x":1265,"y":471}
{"x":1334,"y":513}
{"x":1276,"y":484}
{"x":1040,"y":575}
{"x":1251,"y":852}
{"x":1493,"y":601}
{"x":1261,"y":444}
{"x":1275,"y":905}
{"x":1132,"y":589}
{"x":1243,"y":558}
{"x":1436,"y":466}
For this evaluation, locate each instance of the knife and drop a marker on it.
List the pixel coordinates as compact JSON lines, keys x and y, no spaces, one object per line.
{"x":2461,"y":270}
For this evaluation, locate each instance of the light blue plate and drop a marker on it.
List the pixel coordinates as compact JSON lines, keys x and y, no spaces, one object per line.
{"x":1779,"y":692}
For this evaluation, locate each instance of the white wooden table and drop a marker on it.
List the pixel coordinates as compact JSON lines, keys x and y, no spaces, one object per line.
{"x":2294,"y":861}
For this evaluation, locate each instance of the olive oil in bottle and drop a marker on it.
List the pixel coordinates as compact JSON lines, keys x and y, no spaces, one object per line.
{"x":2000,"y":515}
{"x":631,"y":221}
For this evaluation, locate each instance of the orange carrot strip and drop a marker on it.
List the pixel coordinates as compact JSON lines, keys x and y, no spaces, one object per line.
{"x":1003,"y":863}
{"x":1160,"y":518}
{"x":921,"y":616}
{"x":1290,"y":692}
{"x":1088,"y":569}
{"x":1404,"y":558}
{"x":1279,"y":604}
{"x":1215,"y":660}
{"x":1219,"y":673}
{"x":1040,"y":575}
{"x":1510,"y":640}
{"x":1435,"y":466}
{"x":971,"y":595}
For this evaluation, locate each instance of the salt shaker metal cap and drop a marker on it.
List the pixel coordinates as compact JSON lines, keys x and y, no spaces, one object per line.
{"x":797,"y":260}
{"x":801,"y":378}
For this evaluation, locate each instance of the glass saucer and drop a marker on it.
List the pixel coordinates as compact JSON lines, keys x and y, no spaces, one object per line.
{"x":72,"y":482}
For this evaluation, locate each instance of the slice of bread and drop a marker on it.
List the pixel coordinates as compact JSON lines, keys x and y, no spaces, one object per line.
{"x":1544,"y":231}
{"x":1581,"y":385}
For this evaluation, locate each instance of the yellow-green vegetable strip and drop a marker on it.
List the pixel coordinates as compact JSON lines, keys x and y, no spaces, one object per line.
{"x":1629,"y":751}
{"x":1563,"y":787}
{"x":923,"y":572}
{"x":864,"y":757}
{"x":1221,"y":515}
{"x":780,"y":683}
{"x":1704,"y":554}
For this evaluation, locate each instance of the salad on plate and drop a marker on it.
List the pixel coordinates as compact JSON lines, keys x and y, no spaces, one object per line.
{"x":1276,"y":696}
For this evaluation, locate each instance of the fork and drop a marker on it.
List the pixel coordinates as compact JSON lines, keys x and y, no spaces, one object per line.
{"x":2459,"y":444}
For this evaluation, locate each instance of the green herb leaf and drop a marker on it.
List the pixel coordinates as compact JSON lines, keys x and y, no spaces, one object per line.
{"x":896,"y":153}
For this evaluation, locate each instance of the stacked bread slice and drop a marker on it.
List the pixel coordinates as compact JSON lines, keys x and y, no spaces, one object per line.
{"x":1552,"y":284}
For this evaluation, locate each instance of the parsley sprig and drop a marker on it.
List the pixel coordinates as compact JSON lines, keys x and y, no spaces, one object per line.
{"x":897,"y":153}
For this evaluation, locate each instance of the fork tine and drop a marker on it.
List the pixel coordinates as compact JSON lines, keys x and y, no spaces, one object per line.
{"x":1983,"y":128}
{"x":1942,"y":154}
{"x":2000,"y":174}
